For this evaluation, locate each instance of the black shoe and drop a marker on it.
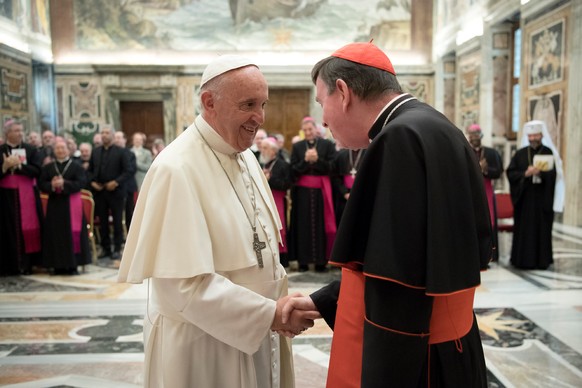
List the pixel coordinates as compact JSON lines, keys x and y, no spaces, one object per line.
{"x":303,"y":268}
{"x":116,"y":256}
{"x":321,"y":268}
{"x":104,"y":255}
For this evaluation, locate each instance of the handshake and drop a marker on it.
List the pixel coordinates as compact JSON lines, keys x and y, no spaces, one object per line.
{"x":295,"y":313}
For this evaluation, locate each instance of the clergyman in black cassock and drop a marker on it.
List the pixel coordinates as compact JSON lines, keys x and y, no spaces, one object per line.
{"x":20,"y":229}
{"x":413,"y":238}
{"x":65,"y":239}
{"x":532,"y":195}
{"x":312,"y":226}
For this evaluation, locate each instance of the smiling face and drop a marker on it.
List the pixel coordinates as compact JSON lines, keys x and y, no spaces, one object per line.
{"x":235,"y":105}
{"x":61,"y":150}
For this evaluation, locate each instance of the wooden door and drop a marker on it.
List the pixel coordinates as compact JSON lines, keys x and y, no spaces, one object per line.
{"x":284,"y":112}
{"x":142,"y":116}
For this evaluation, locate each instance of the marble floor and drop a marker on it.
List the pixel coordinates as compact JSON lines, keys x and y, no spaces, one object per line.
{"x":86,"y":331}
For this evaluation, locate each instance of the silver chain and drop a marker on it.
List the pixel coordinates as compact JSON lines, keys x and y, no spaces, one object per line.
{"x":253,"y":203}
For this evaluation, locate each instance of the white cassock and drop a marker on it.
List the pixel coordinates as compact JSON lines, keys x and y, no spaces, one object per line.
{"x":211,"y":305}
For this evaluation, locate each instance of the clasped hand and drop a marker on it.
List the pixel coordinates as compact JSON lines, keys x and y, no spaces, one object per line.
{"x":295,"y":313}
{"x":531,"y":170}
{"x":311,"y":155}
{"x":10,"y":161}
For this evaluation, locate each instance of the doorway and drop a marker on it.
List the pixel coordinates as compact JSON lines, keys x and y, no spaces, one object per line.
{"x":142,"y":116}
{"x":284,"y":112}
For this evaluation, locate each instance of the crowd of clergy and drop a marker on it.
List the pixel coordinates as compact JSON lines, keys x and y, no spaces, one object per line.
{"x":45,"y":178}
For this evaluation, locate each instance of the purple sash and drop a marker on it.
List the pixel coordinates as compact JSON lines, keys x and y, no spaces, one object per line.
{"x":76,"y":211}
{"x":349,"y":181}
{"x":489,"y":192}
{"x":324,"y":184}
{"x":279,"y":197}
{"x":28,"y":216}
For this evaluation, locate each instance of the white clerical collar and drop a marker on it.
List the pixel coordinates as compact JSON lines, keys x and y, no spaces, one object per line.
{"x":215,"y":141}
{"x":388,"y":106}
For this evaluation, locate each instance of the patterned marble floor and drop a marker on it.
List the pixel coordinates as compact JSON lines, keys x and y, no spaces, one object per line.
{"x":85,"y":331}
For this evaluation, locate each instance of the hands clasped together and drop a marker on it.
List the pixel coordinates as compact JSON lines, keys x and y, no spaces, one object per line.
{"x":295,"y":313}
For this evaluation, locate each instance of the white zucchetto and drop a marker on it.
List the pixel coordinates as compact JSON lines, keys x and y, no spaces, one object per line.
{"x":223,"y":64}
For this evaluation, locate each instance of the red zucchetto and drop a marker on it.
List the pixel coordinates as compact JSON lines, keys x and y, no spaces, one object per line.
{"x":366,"y":54}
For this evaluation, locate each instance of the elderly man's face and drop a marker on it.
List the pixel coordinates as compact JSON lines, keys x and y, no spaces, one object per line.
{"x":535,"y":140}
{"x":48,"y":139}
{"x":259,"y":137}
{"x":85,"y":151}
{"x":268,"y":152}
{"x":34,"y":139}
{"x":309,"y":130}
{"x":349,"y":131}
{"x":238,"y":109}
{"x":475,"y":138}
{"x":119,"y":139}
{"x":15,"y":134}
{"x":97,"y":141}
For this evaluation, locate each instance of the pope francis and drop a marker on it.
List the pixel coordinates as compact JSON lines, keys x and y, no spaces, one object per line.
{"x":205,"y":233}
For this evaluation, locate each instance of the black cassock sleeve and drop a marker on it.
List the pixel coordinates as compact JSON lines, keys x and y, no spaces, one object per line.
{"x":325,"y":300}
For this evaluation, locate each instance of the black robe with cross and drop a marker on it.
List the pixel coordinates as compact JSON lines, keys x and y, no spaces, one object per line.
{"x":58,"y":251}
{"x":533,"y":213}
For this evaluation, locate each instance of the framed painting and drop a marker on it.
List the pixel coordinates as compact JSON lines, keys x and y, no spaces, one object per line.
{"x":548,"y":108}
{"x":546,"y":54}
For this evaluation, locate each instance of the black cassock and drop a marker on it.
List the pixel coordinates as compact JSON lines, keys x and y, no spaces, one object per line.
{"x":58,"y":250}
{"x":533,"y":212}
{"x":279,"y":182}
{"x":416,"y":227}
{"x":307,"y":236}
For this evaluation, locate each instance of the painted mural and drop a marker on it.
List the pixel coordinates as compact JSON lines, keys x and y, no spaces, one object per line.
{"x":548,"y":108}
{"x":231,"y":25}
{"x":14,"y":87}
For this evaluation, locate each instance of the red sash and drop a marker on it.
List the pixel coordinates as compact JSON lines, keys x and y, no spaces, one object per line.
{"x":324,"y":184}
{"x":451,"y":319}
{"x":28,"y":216}
{"x":345,"y":364}
{"x":279,"y":197}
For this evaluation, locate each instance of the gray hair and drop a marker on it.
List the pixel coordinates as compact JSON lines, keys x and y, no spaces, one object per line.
{"x":110,"y":126}
{"x":8,"y":124}
{"x":366,"y":82}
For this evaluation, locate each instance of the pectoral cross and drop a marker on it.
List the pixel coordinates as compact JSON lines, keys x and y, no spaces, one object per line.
{"x":258,"y":246}
{"x":353,"y":172}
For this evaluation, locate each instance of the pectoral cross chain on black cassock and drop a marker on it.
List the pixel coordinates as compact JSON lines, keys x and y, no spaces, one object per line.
{"x":258,"y":246}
